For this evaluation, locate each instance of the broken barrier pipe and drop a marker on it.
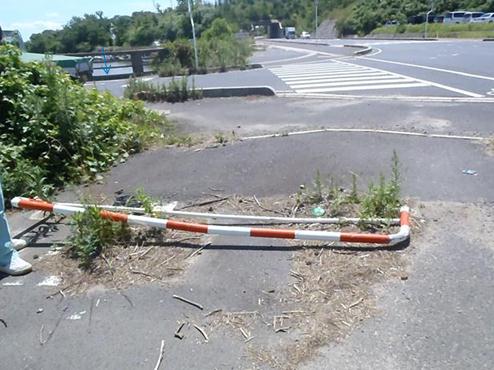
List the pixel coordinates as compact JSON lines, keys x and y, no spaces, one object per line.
{"x":168,"y":209}
{"x":388,"y":239}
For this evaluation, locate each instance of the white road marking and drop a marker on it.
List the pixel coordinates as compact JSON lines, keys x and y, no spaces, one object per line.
{"x":366,"y":78}
{"x":465,"y":74}
{"x":371,"y":87}
{"x":307,"y":55}
{"x":331,"y":76}
{"x":441,"y":86}
{"x":383,"y":80}
{"x":335,"y":77}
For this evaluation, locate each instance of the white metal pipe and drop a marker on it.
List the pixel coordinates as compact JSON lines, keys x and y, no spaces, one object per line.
{"x":220,"y":216}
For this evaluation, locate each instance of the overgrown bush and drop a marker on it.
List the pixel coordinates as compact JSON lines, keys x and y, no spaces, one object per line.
{"x":218,"y":49}
{"x":53,"y":130}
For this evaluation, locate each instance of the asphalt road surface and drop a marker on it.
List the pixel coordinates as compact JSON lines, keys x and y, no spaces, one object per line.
{"x":438,"y":317}
{"x":394,"y":69}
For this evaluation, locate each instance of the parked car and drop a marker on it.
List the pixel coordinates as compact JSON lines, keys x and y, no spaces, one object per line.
{"x":485,"y":18}
{"x":470,"y":17}
{"x":454,"y":17}
{"x":305,"y":35}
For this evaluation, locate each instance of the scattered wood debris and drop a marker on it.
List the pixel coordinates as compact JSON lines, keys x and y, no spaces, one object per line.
{"x":198,"y":305}
{"x":201,"y":330}
{"x":160,"y":358}
{"x":178,"y":333}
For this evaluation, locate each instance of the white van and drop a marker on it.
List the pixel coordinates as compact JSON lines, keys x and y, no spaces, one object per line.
{"x":454,"y":17}
{"x":470,"y":17}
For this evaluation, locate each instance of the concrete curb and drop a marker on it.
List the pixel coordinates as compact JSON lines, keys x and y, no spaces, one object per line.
{"x":123,"y":76}
{"x":239,"y":91}
{"x":394,"y":38}
{"x":299,"y":42}
{"x":363,"y":49}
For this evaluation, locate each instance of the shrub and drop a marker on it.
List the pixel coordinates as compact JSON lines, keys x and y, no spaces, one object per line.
{"x":53,"y":130}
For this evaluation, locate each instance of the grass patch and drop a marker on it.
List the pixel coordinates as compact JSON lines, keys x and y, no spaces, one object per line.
{"x":380,"y":200}
{"x":173,"y":92}
{"x":467,"y":30}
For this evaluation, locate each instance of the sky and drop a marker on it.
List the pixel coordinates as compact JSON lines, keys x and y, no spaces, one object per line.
{"x":34,"y":16}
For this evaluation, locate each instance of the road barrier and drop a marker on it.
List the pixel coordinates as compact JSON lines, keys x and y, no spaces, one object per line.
{"x":334,"y":236}
{"x":168,"y":210}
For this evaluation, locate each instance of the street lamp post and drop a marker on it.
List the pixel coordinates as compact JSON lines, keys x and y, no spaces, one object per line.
{"x":316,"y":3}
{"x":193,"y":34}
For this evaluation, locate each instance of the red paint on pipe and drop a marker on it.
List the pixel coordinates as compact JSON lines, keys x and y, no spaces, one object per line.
{"x":365,"y":238}
{"x":40,"y":205}
{"x":404,"y":218}
{"x":272,"y":233}
{"x":184,"y":226}
{"x":119,"y":217}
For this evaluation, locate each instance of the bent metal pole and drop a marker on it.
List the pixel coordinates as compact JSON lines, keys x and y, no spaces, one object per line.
{"x":389,"y":239}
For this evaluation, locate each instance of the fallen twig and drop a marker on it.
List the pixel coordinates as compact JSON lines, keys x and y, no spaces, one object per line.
{"x":197,"y":251}
{"x":293,"y":312}
{"x":198,"y":305}
{"x":167,"y":260}
{"x":206,"y":339}
{"x":178,"y":333}
{"x":283,"y":329}
{"x":205,"y":203}
{"x":247,"y":337}
{"x":356,"y":303}
{"x":160,"y":358}
{"x":145,"y":274}
{"x":213,"y":312}
{"x":267,"y":209}
{"x":3,"y":322}
{"x":50,"y":334}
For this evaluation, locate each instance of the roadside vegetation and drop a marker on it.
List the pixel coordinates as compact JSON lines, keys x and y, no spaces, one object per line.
{"x":54,"y":131}
{"x":382,"y":199}
{"x":368,"y":15}
{"x":467,"y":30}
{"x":219,"y":50}
{"x":93,"y":236}
{"x":173,"y":92}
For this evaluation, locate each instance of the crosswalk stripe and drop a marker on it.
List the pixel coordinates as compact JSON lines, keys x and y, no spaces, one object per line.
{"x":330,"y":70}
{"x":303,"y":75}
{"x":298,"y":84}
{"x":371,"y":87}
{"x":355,"y":83}
{"x":333,"y":76}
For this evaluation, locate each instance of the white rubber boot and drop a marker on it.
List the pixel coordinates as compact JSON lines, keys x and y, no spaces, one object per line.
{"x":16,"y":265}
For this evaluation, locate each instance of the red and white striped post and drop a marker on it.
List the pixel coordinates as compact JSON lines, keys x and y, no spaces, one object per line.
{"x":387,"y":239}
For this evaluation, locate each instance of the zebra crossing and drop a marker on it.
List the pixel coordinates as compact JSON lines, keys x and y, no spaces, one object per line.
{"x":335,"y":77}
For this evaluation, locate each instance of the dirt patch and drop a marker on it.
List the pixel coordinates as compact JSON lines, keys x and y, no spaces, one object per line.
{"x":125,"y":265}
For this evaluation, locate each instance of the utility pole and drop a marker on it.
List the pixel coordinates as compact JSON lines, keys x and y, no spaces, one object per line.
{"x":193,"y":34}
{"x":427,"y":18}
{"x":316,"y":4}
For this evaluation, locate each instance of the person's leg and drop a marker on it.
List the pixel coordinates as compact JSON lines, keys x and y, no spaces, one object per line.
{"x":10,"y":262}
{"x":5,"y":239}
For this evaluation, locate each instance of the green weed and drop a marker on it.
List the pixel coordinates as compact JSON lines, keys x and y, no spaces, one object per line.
{"x":383,"y":199}
{"x":92,"y":234}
